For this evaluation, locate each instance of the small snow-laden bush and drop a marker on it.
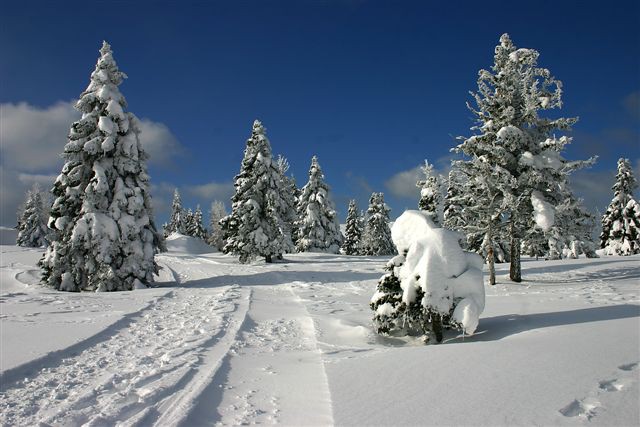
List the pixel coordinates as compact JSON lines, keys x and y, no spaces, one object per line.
{"x":432,"y":285}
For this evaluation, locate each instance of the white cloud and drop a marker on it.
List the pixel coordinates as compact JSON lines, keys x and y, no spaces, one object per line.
{"x":32,"y":139}
{"x":403,"y":184}
{"x":212,"y":191}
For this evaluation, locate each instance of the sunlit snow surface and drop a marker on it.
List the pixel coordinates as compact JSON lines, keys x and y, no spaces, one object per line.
{"x":222,"y":343}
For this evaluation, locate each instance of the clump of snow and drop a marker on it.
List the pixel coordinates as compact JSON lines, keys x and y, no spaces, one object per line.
{"x":435,"y":264}
{"x":177,"y":242}
{"x":543,"y":212}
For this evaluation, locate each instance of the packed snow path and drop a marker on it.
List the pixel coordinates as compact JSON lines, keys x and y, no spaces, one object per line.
{"x":220,"y":343}
{"x":159,"y":360}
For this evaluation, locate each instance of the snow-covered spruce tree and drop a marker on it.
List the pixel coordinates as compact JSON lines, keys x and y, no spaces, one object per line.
{"x":177,"y":220}
{"x":32,"y":224}
{"x":390,"y":312}
{"x":429,"y":193}
{"x":218,"y":211}
{"x":318,"y":226}
{"x":621,"y":222}
{"x":513,"y":137}
{"x":353,"y":231}
{"x":574,"y":225}
{"x":187,"y":221}
{"x":376,"y":238}
{"x":289,"y":197}
{"x":255,"y":226}
{"x":194,"y":226}
{"x":453,"y":214}
{"x":103,"y":235}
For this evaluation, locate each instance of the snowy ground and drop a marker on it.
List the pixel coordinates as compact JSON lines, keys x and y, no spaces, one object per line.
{"x":291,"y":343}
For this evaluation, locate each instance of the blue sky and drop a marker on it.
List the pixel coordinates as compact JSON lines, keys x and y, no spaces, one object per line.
{"x":372,"y":88}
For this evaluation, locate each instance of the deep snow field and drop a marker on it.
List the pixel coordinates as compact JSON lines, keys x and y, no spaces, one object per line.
{"x":222,"y":343}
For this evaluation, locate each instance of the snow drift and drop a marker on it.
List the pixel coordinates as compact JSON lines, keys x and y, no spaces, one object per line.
{"x":177,"y":242}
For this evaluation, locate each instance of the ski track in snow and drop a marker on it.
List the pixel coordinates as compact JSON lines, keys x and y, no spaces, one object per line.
{"x":154,"y":365}
{"x":275,"y":349}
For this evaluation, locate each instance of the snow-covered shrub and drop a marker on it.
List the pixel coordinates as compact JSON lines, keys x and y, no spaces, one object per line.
{"x":433,"y":284}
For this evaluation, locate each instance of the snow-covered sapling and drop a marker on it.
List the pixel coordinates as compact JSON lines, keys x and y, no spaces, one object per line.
{"x":433,"y":285}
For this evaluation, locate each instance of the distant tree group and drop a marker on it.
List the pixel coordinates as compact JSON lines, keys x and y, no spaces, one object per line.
{"x":621,"y":222}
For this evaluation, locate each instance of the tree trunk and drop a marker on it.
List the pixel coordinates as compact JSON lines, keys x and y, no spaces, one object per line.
{"x":267,"y":259}
{"x":515,"y":270}
{"x":491,"y":262}
{"x":436,"y":324}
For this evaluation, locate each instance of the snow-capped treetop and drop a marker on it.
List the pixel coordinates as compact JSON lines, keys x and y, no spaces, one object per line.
{"x":429,"y":192}
{"x":625,"y":181}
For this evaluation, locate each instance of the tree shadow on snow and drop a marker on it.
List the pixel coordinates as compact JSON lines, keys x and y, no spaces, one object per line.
{"x":569,"y":266}
{"x":277,"y":278}
{"x":499,"y":327}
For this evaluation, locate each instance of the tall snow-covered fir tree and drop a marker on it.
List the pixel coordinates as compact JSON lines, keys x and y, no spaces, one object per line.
{"x":318,"y":226}
{"x":289,"y":197}
{"x":429,"y":193}
{"x":103,"y":236}
{"x":353,"y":231}
{"x":255,"y":226}
{"x":218,"y":211}
{"x":195,"y":228}
{"x":519,"y":147}
{"x":621,"y":221}
{"x":32,"y":224}
{"x":177,"y":223}
{"x":376,"y":238}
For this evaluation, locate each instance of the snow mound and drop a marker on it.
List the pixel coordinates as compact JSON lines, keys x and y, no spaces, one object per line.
{"x":177,"y":242}
{"x":8,"y":236}
{"x":435,"y":263}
